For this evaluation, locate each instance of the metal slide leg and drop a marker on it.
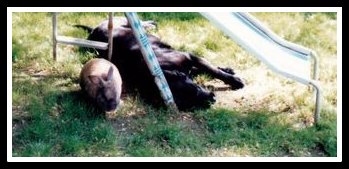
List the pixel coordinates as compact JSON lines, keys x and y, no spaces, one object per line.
{"x":316,"y":65}
{"x":316,"y":86}
{"x":54,"y":37}
{"x":110,"y":36}
{"x":317,"y":102}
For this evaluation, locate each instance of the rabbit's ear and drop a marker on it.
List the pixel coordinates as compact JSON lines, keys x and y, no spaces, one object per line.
{"x":110,"y":73}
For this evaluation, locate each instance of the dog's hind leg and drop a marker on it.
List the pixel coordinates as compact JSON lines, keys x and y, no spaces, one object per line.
{"x":224,"y":74}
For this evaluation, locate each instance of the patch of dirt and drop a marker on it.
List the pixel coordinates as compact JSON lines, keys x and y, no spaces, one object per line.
{"x":55,"y":111}
{"x":319,"y":151}
{"x":230,"y":152}
{"x":20,"y":120}
{"x":122,"y":125}
{"x":253,"y":97}
{"x":19,"y":113}
{"x":188,"y":121}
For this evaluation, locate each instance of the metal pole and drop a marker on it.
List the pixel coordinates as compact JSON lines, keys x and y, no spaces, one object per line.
{"x":316,"y":86}
{"x":150,"y":59}
{"x":110,"y":36}
{"x":316,"y":65}
{"x":317,"y":102}
{"x":54,"y":37}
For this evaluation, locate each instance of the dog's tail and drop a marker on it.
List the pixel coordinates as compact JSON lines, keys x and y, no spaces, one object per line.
{"x":86,"y":28}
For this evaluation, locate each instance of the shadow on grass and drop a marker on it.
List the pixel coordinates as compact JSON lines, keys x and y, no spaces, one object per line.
{"x":59,"y":123}
{"x":16,"y":50}
{"x":64,"y":123}
{"x":253,"y":134}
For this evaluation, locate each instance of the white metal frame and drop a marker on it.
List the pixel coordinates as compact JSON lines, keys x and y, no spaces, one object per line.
{"x":82,"y":42}
{"x":267,"y":33}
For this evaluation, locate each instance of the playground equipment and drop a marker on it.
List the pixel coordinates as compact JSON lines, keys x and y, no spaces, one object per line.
{"x":82,"y":42}
{"x":286,"y":58}
{"x":283,"y":57}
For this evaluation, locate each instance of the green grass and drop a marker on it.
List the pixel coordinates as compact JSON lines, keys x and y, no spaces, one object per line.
{"x":271,"y":116}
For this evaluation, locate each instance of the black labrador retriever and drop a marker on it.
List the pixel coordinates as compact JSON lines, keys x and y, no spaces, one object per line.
{"x":179,"y":67}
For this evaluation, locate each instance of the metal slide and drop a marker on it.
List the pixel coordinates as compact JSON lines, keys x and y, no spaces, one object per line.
{"x":283,"y":57}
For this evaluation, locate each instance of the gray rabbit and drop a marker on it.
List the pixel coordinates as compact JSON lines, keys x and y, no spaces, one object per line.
{"x":101,"y":81}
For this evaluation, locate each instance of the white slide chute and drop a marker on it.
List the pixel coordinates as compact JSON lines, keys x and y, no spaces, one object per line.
{"x":286,"y":58}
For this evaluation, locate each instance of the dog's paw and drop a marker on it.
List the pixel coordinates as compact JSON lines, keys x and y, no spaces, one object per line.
{"x":235,"y":82}
{"x":227,"y":70}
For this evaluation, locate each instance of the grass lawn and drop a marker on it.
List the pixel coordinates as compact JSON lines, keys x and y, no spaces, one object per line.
{"x":271,"y":116}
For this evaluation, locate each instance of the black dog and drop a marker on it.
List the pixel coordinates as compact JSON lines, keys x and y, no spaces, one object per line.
{"x":178,"y":67}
